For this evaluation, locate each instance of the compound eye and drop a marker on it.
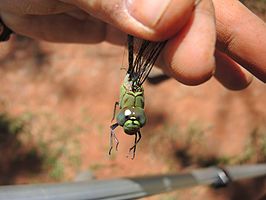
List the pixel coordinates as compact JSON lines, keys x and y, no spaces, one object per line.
{"x":124,"y":115}
{"x":140,"y":115}
{"x":127,"y":112}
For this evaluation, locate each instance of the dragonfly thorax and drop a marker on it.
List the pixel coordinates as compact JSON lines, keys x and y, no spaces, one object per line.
{"x":131,"y":119}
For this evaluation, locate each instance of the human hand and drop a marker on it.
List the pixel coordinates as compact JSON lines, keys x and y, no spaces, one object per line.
{"x":188,"y":56}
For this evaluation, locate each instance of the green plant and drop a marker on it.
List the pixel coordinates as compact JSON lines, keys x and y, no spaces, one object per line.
{"x":57,"y":171}
{"x":96,"y":166}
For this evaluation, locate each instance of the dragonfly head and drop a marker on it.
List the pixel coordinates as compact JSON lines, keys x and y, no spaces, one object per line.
{"x":131,"y":126}
{"x":132,"y":119}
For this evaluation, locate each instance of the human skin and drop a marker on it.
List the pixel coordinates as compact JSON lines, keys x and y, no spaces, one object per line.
{"x":219,"y":38}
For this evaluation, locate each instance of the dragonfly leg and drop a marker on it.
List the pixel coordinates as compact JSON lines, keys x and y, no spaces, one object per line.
{"x":139,"y":134}
{"x":114,"y":112}
{"x":113,"y":136}
{"x":134,"y":147}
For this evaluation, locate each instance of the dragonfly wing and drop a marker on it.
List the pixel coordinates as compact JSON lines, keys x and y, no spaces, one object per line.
{"x":130,"y":45}
{"x":145,"y":59}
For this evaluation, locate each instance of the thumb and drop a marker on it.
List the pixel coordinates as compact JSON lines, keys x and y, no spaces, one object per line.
{"x":149,"y":19}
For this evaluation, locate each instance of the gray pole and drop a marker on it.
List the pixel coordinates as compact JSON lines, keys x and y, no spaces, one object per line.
{"x":130,"y":188}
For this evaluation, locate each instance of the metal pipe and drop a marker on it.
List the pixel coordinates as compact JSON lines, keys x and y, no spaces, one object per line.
{"x":130,"y":188}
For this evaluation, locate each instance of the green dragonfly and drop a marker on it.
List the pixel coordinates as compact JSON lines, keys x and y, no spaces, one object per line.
{"x":131,"y":115}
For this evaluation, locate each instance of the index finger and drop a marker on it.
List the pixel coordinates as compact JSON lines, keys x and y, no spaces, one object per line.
{"x":242,"y":36}
{"x":34,"y":7}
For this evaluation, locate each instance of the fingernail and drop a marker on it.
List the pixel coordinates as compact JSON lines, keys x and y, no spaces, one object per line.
{"x":148,"y":12}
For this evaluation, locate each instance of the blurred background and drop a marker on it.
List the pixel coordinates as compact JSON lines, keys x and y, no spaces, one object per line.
{"x":56,"y":104}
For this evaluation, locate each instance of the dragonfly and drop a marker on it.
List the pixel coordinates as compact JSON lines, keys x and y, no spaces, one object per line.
{"x":131,"y":115}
